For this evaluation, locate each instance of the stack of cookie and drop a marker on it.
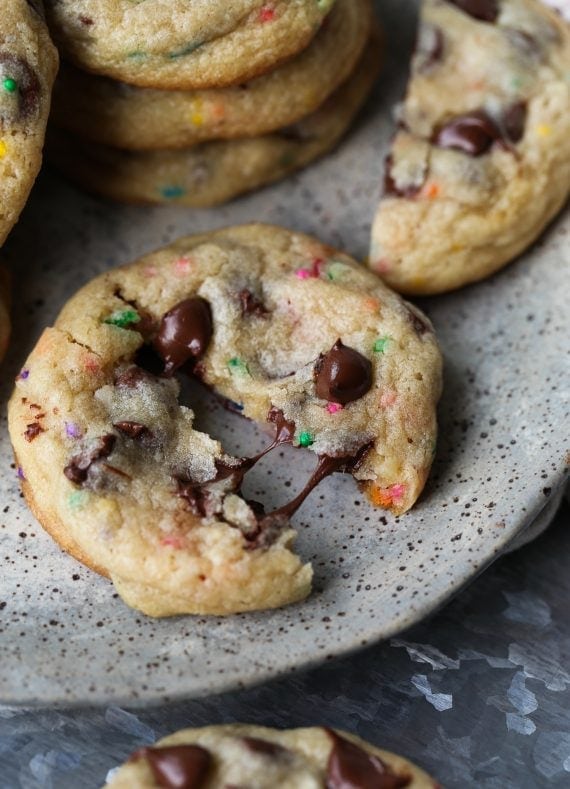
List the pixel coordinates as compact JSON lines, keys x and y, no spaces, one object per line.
{"x":201,"y":103}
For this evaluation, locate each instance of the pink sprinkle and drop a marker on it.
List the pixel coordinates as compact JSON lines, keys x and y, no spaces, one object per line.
{"x":173,"y":541}
{"x":92,"y":365}
{"x":314,"y":272}
{"x":397,"y":491}
{"x":150,"y":271}
{"x":182,"y":266}
{"x":382,"y":266}
{"x":73,"y":430}
{"x":24,"y":374}
{"x":334,"y":408}
{"x":303,"y":273}
{"x":388,"y":398}
{"x":266,"y":14}
{"x":20,"y":473}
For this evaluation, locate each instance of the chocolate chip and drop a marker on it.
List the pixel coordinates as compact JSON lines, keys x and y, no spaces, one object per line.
{"x":23,"y":102}
{"x":472,"y":134}
{"x":196,"y":496}
{"x":177,"y":766}
{"x":485,"y":10}
{"x":351,"y":767}
{"x":514,"y":121}
{"x":78,"y":467}
{"x":250,"y":305}
{"x":342,"y":375}
{"x":264,"y":747}
{"x":185,"y":333}
{"x":32,"y":431}
{"x":132,"y":429}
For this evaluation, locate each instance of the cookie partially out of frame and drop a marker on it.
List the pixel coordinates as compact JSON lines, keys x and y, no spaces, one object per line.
{"x":481,"y":162}
{"x":112,"y":113}
{"x":244,"y":755}
{"x":183,"y":44}
{"x":215,"y":172}
{"x":303,"y":338}
{"x":28,"y":63}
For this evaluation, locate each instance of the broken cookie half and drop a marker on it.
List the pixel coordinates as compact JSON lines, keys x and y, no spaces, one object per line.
{"x":296,"y":335}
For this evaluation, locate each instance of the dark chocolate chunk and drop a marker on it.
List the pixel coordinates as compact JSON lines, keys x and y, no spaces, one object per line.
{"x":473,"y":133}
{"x":32,"y":431}
{"x":342,"y":375}
{"x":264,"y":747}
{"x":78,"y":467}
{"x":197,"y":496}
{"x":391,"y":188}
{"x":351,"y":767}
{"x":177,"y":766}
{"x":185,"y":333}
{"x":250,"y":305}
{"x":485,"y":10}
{"x":132,"y":429}
{"x":514,"y":120}
{"x":19,"y":90}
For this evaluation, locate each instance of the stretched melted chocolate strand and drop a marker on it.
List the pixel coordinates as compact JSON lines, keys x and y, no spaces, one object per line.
{"x":342,"y":375}
{"x":351,"y":767}
{"x":485,"y":10}
{"x":177,"y":766}
{"x":184,"y":333}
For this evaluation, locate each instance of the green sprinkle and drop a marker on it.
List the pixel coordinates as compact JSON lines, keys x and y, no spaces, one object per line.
{"x":238,"y":366}
{"x":336,"y":269}
{"x":187,"y":50}
{"x":380,"y":344}
{"x":123,"y":318}
{"x":77,"y":499}
{"x":306,"y":439}
{"x":10,"y":85}
{"x":136,"y":55}
{"x":172,"y":192}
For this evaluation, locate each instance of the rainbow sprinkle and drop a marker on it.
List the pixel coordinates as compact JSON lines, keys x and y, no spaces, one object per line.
{"x":24,"y":374}
{"x":306,"y":439}
{"x":381,"y":344}
{"x":77,"y":499}
{"x":334,"y":408}
{"x":20,"y":473}
{"x":10,"y":85}
{"x":123,"y":318}
{"x":238,"y":367}
{"x":72,"y":430}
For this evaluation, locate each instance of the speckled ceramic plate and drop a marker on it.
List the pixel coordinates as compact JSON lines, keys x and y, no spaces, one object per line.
{"x":66,"y":638}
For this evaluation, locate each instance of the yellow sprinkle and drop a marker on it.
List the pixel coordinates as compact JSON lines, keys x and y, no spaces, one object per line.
{"x":543,"y":130}
{"x":3,"y":149}
{"x":197,"y":115}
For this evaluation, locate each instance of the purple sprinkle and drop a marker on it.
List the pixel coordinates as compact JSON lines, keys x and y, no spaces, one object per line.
{"x":20,"y":473}
{"x":24,"y":374}
{"x":72,"y":430}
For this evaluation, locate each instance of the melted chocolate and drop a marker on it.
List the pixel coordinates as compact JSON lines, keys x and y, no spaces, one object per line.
{"x":197,"y":496}
{"x":391,"y":187}
{"x":132,"y":429}
{"x":23,"y":102}
{"x":177,"y":766}
{"x":32,"y":431}
{"x":342,"y":375}
{"x":148,"y":360}
{"x":264,"y":747}
{"x":472,"y":134}
{"x":485,"y":10}
{"x":250,"y":305}
{"x":184,"y":333}
{"x":351,"y":767}
{"x":78,"y":467}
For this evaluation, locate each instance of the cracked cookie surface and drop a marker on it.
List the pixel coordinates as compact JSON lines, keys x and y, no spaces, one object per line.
{"x":481,"y":161}
{"x":28,"y":63}
{"x":296,"y":333}
{"x":217,"y":757}
{"x":183,"y":44}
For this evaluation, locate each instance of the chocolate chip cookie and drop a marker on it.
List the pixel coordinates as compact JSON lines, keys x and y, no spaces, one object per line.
{"x":481,"y":161}
{"x":242,"y":755}
{"x":112,"y":113}
{"x":214,"y":172}
{"x":28,"y":63}
{"x":183,"y":44}
{"x":298,"y":335}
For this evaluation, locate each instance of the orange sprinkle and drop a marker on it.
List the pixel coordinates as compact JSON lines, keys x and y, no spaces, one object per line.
{"x":431,"y":190}
{"x":218,"y":111}
{"x":370,"y":304}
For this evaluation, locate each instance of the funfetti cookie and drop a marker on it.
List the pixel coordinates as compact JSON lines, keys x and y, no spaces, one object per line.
{"x":183,"y":44}
{"x":28,"y":64}
{"x":244,"y":755}
{"x":481,"y":161}
{"x":214,"y":172}
{"x":112,"y":113}
{"x":301,"y":336}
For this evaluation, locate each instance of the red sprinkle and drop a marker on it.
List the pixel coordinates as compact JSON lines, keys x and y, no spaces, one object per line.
{"x":266,"y":14}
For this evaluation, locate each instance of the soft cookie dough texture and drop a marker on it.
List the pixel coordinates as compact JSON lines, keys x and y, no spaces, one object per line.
{"x":183,"y":44}
{"x":112,"y":113}
{"x":217,"y":757}
{"x":214,"y":172}
{"x":28,"y":64}
{"x":299,"y":334}
{"x":481,"y":162}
